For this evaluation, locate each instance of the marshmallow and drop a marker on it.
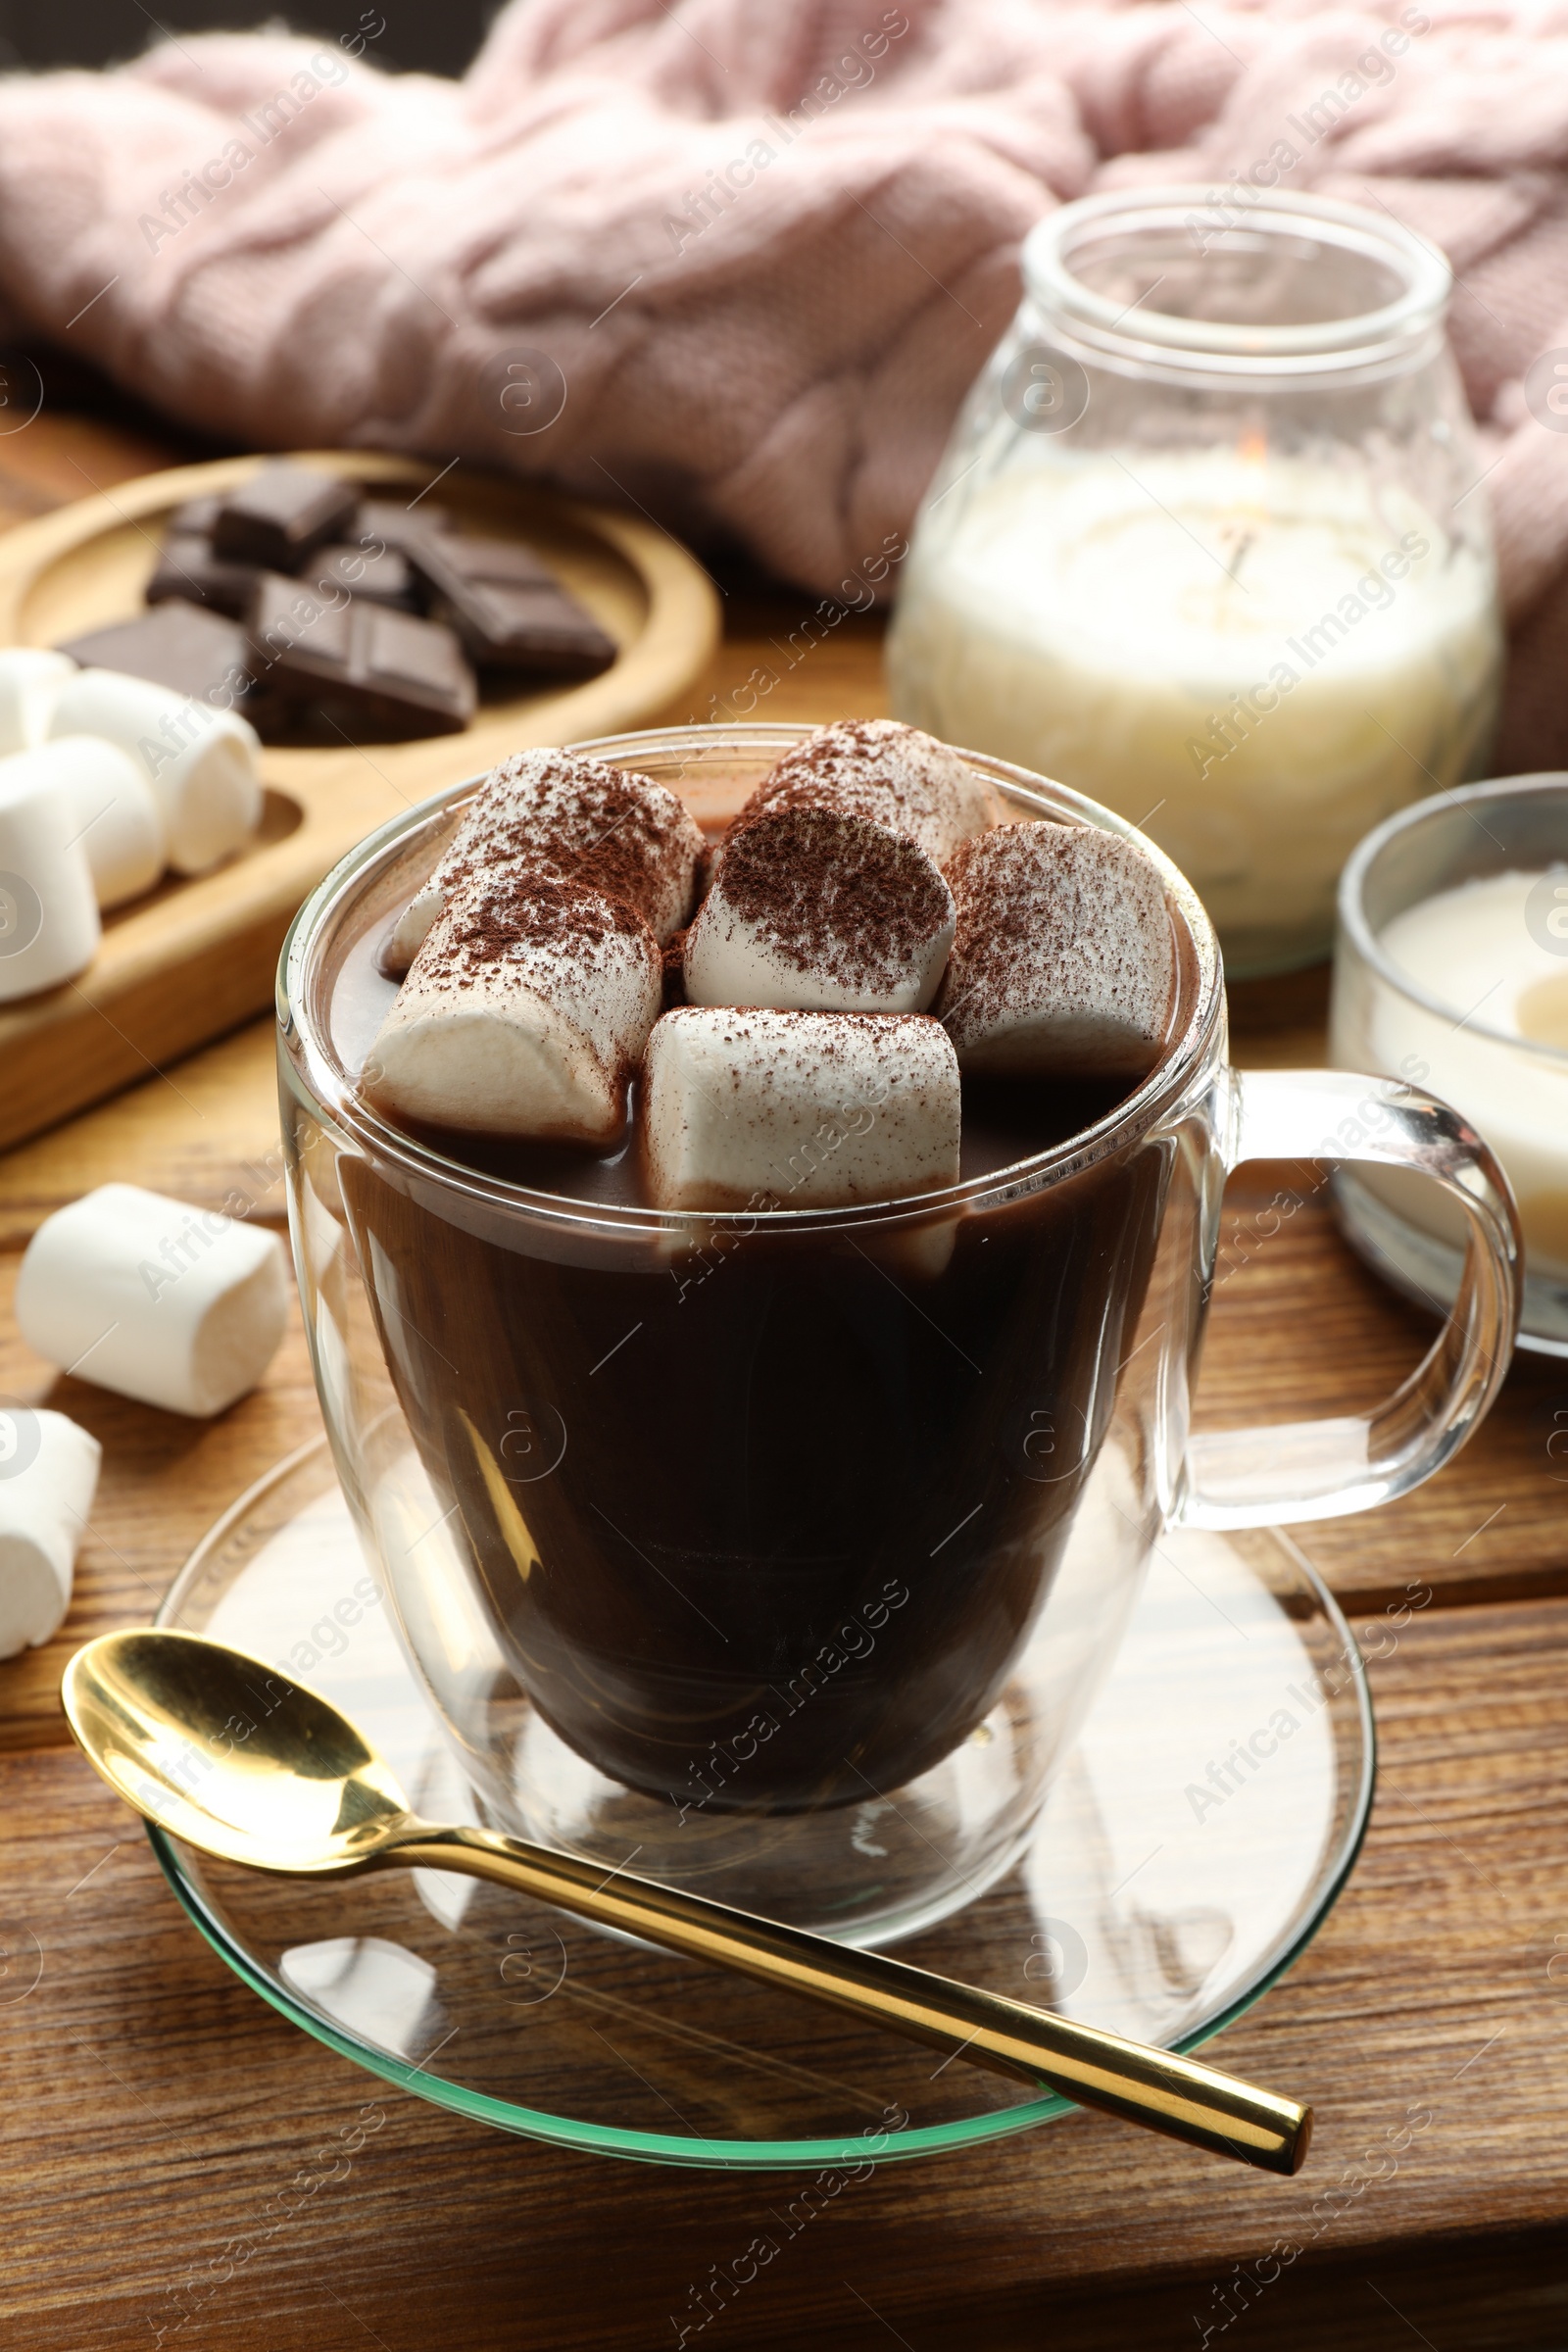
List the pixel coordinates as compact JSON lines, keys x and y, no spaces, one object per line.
{"x":31,"y":678}
{"x":524,"y":1013}
{"x":201,"y":762}
{"x":798,"y":1109}
{"x":48,"y":1477}
{"x":49,"y":928}
{"x":117,"y":816}
{"x":1064,"y":962}
{"x":621,"y":833}
{"x":814,"y":911}
{"x":165,"y":1302}
{"x":894,"y":775}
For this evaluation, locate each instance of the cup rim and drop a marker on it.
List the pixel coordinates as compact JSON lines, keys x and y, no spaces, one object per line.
{"x":1202,"y":344}
{"x":1355,"y":926}
{"x":311,"y":1055}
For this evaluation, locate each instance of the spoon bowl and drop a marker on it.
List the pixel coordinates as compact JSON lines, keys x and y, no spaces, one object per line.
{"x":223,"y":1752}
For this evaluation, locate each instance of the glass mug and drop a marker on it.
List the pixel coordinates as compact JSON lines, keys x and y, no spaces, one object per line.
{"x":788,"y":1549}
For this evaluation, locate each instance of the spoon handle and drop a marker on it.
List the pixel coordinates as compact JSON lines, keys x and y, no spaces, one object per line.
{"x":1158,"y":2088}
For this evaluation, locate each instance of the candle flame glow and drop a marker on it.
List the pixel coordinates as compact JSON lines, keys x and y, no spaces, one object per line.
{"x":1251,"y":450}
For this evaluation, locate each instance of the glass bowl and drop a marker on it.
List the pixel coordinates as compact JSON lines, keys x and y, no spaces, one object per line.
{"x":1455,"y":1038}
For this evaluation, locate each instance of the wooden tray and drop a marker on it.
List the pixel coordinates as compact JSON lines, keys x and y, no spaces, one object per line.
{"x":194,"y":957}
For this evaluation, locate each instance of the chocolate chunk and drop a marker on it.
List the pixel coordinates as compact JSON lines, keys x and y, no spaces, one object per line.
{"x":178,"y":645}
{"x":187,"y":567}
{"x":197,"y":514}
{"x":398,"y":525}
{"x":506,"y":605}
{"x":282,"y":515}
{"x":494,"y":563}
{"x":356,"y":665}
{"x":385,"y":577}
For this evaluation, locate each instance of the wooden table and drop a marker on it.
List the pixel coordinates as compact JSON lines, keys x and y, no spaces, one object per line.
{"x":153,"y":2107}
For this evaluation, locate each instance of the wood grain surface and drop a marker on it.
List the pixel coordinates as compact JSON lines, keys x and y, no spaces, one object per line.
{"x":157,"y":2112}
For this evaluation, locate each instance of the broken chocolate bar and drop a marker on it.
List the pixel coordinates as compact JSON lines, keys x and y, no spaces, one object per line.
{"x":177,"y":644}
{"x":506,"y":605}
{"x":356,"y":665}
{"x":282,"y":515}
{"x":377,"y":572}
{"x":196,"y":515}
{"x":396,"y":525}
{"x":187,"y":567}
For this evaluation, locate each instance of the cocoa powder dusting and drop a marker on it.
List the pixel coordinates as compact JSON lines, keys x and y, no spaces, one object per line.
{"x":603,"y":825}
{"x":834,"y":892}
{"x":1061,"y":917}
{"x":512,"y":907}
{"x":609,"y":833}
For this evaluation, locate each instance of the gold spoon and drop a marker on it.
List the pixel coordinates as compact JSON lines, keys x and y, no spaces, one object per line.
{"x":219,"y":1750}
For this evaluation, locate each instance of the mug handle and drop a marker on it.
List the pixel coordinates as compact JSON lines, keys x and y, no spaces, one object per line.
{"x":1323,"y":1469}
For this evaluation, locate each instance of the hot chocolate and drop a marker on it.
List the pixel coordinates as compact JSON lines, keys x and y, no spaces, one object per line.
{"x":762,"y":1504}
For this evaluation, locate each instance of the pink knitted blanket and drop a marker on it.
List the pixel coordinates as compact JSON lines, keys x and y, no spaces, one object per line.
{"x":737,"y":259}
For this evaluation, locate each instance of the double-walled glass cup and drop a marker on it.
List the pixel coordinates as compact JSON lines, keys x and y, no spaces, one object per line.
{"x":786,"y":1550}
{"x":1203,"y":543}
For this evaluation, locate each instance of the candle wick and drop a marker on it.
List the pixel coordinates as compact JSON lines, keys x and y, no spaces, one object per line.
{"x":1248,"y":539}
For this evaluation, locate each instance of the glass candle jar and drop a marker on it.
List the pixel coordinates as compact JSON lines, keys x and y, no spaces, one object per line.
{"x":1206,"y":544}
{"x":1452,"y":973}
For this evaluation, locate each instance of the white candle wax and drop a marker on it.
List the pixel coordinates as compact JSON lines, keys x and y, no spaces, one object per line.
{"x":1475,"y":951}
{"x":1257,"y":657}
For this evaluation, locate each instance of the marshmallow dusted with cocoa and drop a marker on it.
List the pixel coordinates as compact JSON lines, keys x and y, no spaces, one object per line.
{"x":1063,"y":964}
{"x":579,"y":818}
{"x":894,"y":775}
{"x":776,"y":1110}
{"x":871,"y":929}
{"x":524,"y":1012}
{"x":816,"y":909}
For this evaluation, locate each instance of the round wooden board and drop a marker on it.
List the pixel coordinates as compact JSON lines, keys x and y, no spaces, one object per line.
{"x":193,"y":958}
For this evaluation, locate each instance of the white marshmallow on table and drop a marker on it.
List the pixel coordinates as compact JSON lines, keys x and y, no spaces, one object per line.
{"x":894,"y":775}
{"x":620,"y":832}
{"x":49,"y":928}
{"x":117,"y":816}
{"x":812,"y":910}
{"x":1064,"y":961}
{"x":524,"y":1012}
{"x":48,"y":1477}
{"x":201,"y":763}
{"x":174,"y":1305}
{"x":798,"y":1109}
{"x":30,"y":680}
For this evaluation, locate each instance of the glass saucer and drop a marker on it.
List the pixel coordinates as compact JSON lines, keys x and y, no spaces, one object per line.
{"x":1205,"y":1822}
